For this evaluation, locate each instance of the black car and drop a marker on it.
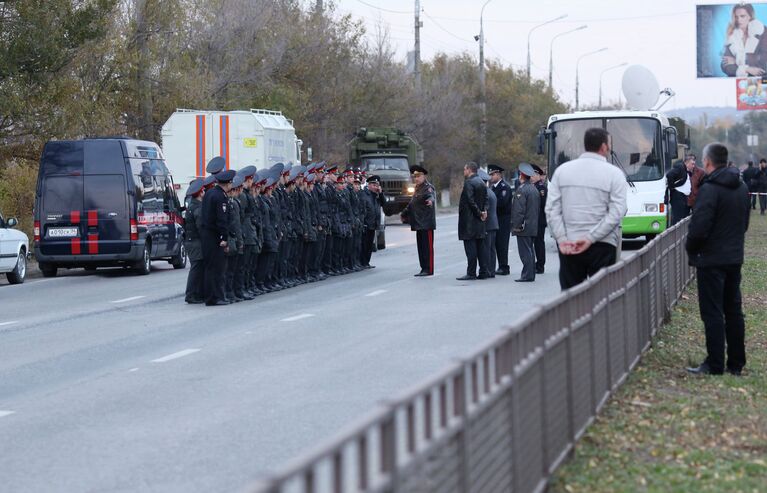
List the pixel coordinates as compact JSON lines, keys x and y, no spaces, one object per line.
{"x":106,"y":202}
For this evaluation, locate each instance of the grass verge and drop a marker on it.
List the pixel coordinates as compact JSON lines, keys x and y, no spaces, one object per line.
{"x":667,"y":431}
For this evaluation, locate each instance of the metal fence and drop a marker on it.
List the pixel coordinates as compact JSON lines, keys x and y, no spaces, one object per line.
{"x":505,"y":418}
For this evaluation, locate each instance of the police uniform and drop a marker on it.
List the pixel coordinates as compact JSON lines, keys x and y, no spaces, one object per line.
{"x":524,"y":223}
{"x":504,"y":194}
{"x":236,"y":245}
{"x":215,"y":230}
{"x":193,"y":244}
{"x":540,"y":239}
{"x":371,"y":220}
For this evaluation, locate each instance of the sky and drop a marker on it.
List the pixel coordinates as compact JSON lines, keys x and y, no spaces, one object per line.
{"x":659,"y":34}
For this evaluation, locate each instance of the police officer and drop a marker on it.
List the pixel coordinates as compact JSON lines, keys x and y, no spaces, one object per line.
{"x":215,"y":237}
{"x":372,"y":201}
{"x":236,"y":245}
{"x":539,"y":180}
{"x":504,"y":194}
{"x":247,"y":213}
{"x":192,"y":229}
{"x":331,"y":197}
{"x":421,"y":214}
{"x":345,"y":219}
{"x":524,"y":221}
{"x":491,"y":226}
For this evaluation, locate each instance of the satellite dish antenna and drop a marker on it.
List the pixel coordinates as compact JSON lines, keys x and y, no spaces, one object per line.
{"x":640,"y":87}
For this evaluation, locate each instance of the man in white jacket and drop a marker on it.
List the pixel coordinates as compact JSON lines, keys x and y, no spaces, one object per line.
{"x":587,"y":200}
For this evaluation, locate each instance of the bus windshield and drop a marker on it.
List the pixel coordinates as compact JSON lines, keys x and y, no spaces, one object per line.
{"x":636,"y":144}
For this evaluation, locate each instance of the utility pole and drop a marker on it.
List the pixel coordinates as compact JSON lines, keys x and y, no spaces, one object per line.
{"x":417,"y":50}
{"x":482,"y":91}
{"x":143,"y":86}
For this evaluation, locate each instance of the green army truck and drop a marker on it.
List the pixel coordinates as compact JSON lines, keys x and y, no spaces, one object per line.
{"x":387,"y":152}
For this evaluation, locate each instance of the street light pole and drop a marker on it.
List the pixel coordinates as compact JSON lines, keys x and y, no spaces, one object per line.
{"x":551,"y":52}
{"x":577,"y":77}
{"x":528,"y":39}
{"x":600,"y":79}
{"x":482,"y":90}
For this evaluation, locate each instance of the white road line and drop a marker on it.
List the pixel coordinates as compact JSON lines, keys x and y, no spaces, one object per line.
{"x":133,"y":369}
{"x":376,"y":293}
{"x":6,"y":413}
{"x":9,"y":323}
{"x":452,"y":232}
{"x":125,"y":300}
{"x":392,"y":245}
{"x":180,"y":354}
{"x":297,"y":317}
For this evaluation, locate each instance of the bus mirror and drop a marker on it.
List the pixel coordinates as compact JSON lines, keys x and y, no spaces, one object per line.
{"x":672,"y":143}
{"x":541,"y":141}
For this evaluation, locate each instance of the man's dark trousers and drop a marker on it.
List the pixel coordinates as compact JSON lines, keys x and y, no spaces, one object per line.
{"x":215,"y":266}
{"x":195,"y":283}
{"x":368,"y":236}
{"x":424,"y":239}
{"x":525,"y":245}
{"x":574,"y":269}
{"x":540,"y":249}
{"x":502,"y":242}
{"x":474,"y":254}
{"x":489,"y":245}
{"x":722,"y":313}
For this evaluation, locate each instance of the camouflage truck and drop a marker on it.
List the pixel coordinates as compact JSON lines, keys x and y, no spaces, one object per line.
{"x":387,"y":152}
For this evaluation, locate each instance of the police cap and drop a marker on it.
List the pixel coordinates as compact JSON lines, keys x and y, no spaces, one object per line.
{"x":374,"y":179}
{"x":526,"y":169}
{"x":248,"y":171}
{"x":261,"y":176}
{"x":539,"y":170}
{"x":226,"y":176}
{"x":340,"y":179}
{"x":209,"y":181}
{"x":310,"y":178}
{"x":418,"y":169}
{"x":331,"y":169}
{"x":494,"y":168}
{"x":294,"y":172}
{"x":483,"y":175}
{"x":238,"y":181}
{"x":194,"y":187}
{"x":216,"y":165}
{"x":287,"y":168}
{"x":277,"y":168}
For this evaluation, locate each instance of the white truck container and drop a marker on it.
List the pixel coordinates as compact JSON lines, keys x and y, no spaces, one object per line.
{"x":191,"y":138}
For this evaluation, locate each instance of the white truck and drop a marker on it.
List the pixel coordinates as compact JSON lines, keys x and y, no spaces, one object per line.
{"x":191,"y":138}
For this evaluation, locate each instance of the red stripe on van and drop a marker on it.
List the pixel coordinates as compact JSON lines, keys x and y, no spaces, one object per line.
{"x":224,"y":139}
{"x":93,"y":218}
{"x":74,"y":217}
{"x":75,"y":246}
{"x":93,"y":244}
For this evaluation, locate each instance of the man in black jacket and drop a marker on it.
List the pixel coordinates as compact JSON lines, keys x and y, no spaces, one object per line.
{"x":422,"y":216}
{"x":472,"y":214}
{"x":760,"y":182}
{"x":676,"y":178}
{"x":192,"y":231}
{"x":371,"y":200}
{"x":504,"y":194}
{"x":715,"y":246}
{"x":748,"y":178}
{"x":215,"y":237}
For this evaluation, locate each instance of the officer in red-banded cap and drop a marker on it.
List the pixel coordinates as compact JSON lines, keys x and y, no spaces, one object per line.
{"x":421,"y":213}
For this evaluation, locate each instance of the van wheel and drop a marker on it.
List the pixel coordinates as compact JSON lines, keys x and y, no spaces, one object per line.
{"x":48,"y":270}
{"x":179,"y":261}
{"x":17,"y":275}
{"x":144,"y":266}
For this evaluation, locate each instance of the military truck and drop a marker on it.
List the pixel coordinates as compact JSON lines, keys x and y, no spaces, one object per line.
{"x":387,"y":152}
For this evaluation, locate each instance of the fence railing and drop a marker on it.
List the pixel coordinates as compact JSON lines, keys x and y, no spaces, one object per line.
{"x":505,"y":418}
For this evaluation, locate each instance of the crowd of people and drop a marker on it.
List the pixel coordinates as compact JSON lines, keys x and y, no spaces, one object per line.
{"x":755,"y":179}
{"x":251,"y":232}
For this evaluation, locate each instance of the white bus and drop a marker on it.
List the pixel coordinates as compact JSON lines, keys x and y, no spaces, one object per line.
{"x":644,"y":145}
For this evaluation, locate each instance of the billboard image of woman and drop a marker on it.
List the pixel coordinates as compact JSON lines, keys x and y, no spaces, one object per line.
{"x":732,"y":41}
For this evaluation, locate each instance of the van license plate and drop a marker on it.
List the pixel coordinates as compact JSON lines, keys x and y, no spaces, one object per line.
{"x":62,"y":232}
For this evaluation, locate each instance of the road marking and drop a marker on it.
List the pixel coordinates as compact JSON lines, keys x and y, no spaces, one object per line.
{"x":6,"y":413}
{"x":133,"y":369}
{"x":452,"y":232}
{"x":9,"y":323}
{"x":297,"y":317}
{"x":180,"y":354}
{"x":125,"y":300}
{"x":392,"y":245}
{"x":376,"y":293}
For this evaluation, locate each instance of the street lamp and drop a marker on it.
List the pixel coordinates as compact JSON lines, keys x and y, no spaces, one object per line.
{"x":528,"y":39}
{"x":577,"y":77}
{"x":482,"y":93}
{"x":551,"y":51}
{"x":600,"y":79}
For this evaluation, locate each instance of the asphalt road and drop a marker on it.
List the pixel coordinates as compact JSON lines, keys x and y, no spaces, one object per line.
{"x":109,"y":382}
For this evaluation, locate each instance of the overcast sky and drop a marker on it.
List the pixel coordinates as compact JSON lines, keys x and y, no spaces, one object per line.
{"x":659,"y":34}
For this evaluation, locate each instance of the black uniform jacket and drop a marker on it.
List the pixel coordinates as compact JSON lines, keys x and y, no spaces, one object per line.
{"x":421,"y":216}
{"x":192,"y":227}
{"x":215,"y":217}
{"x":719,"y":221}
{"x":473,"y":203}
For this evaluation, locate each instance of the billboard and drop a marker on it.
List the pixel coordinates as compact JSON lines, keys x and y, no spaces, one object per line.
{"x":732,"y":40}
{"x":752,"y":94}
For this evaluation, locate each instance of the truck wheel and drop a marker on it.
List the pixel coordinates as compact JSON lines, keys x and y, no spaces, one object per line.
{"x":17,"y":275}
{"x":48,"y":270}
{"x":144,"y":266}
{"x":179,"y":261}
{"x":381,"y":240}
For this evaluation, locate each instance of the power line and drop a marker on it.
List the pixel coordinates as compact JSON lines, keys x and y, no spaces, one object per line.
{"x":385,"y":10}
{"x":462,"y":39}
{"x":601,"y":19}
